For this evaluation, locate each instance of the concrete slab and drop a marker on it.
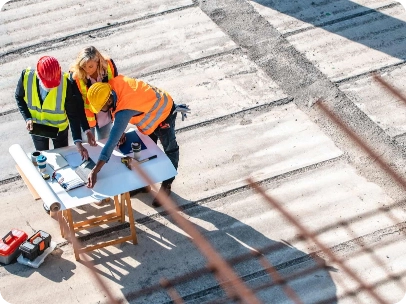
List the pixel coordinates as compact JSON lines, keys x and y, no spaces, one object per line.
{"x":290,"y":16}
{"x":367,"y":268}
{"x":355,"y":46}
{"x":23,"y":23}
{"x":382,"y":107}
{"x":232,"y":224}
{"x":163,"y":49}
{"x":217,"y":87}
{"x":219,"y":157}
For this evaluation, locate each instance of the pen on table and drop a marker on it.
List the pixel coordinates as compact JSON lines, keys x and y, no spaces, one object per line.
{"x":147,"y":159}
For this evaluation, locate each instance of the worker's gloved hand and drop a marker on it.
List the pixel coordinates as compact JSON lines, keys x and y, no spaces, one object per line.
{"x":29,"y":124}
{"x":90,"y":138}
{"x":82,"y":150}
{"x":182,"y":109}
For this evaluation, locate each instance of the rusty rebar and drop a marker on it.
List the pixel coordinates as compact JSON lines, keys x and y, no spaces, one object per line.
{"x":279,"y":280}
{"x":315,"y":240}
{"x":396,"y":176}
{"x":86,"y":261}
{"x":223,"y":272}
{"x":165,"y":283}
{"x":389,"y":87}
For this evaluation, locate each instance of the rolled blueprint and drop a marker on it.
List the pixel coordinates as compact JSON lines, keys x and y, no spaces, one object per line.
{"x":35,"y":178}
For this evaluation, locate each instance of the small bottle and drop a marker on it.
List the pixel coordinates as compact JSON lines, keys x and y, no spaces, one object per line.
{"x":136,"y":148}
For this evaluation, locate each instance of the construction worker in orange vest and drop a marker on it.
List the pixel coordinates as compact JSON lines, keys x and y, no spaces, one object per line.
{"x":90,"y":67}
{"x":149,"y":108}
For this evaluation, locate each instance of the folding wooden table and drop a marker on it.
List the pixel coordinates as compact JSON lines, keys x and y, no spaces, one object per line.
{"x":114,"y":180}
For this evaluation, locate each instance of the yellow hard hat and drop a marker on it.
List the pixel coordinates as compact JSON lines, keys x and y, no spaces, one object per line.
{"x":98,"y":95}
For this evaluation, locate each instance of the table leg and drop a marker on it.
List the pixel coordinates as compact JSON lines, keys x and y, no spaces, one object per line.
{"x":122,"y":202}
{"x":72,"y":233}
{"x":131,"y":218}
{"x":119,"y":210}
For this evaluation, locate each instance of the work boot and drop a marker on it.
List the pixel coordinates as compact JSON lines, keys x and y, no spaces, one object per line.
{"x":145,"y":189}
{"x":166,"y":188}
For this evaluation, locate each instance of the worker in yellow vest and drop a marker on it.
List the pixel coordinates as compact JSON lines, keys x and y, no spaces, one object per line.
{"x":90,"y":67}
{"x":44,"y":96}
{"x":134,"y":101}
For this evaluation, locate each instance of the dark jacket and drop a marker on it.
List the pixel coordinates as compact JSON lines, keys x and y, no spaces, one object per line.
{"x":71,"y":105}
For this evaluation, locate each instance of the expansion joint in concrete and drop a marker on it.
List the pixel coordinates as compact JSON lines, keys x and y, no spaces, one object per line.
{"x":56,"y":43}
{"x":338,"y":20}
{"x":385,"y":69}
{"x":259,"y":108}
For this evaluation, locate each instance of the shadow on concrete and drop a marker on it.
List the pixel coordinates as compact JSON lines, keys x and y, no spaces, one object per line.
{"x":164,"y":251}
{"x":55,"y":268}
{"x":370,"y":31}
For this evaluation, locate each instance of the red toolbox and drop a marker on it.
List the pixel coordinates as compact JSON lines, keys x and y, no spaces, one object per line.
{"x":35,"y":245}
{"x":9,"y":245}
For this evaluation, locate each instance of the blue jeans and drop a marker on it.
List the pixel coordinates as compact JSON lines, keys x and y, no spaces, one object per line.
{"x":102,"y":132}
{"x":166,"y":136}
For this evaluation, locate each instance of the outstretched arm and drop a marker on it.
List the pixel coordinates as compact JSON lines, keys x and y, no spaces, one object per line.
{"x":122,"y":118}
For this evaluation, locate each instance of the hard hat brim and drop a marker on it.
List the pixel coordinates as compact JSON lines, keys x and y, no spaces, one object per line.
{"x":50,"y":84}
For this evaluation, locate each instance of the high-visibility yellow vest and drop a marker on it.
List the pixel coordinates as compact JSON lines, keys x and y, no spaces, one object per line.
{"x":81,"y":83}
{"x":52,"y":112}
{"x":133,"y":94}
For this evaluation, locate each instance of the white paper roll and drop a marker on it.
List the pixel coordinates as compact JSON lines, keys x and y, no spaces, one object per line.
{"x":35,"y":178}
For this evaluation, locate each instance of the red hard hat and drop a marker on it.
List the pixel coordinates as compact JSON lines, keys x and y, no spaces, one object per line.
{"x":49,"y":71}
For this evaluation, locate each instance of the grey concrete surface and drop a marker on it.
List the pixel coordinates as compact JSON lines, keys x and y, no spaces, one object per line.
{"x":384,"y":109}
{"x":296,"y":15}
{"x":22,"y":28}
{"x":366,"y":48}
{"x":251,"y":72}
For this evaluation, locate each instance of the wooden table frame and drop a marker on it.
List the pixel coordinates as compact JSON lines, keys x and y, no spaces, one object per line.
{"x":117,"y":216}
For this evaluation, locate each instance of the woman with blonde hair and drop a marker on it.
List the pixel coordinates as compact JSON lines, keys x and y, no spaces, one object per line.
{"x":91,"y":67}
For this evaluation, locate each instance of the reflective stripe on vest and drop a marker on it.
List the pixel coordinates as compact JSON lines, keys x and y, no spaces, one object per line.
{"x":81,"y":83}
{"x":52,"y":112}
{"x":157,"y":115}
{"x":132,"y":94}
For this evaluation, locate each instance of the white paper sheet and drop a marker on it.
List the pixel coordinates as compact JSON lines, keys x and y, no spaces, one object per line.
{"x":55,"y":160}
{"x":35,"y":178}
{"x":74,"y":159}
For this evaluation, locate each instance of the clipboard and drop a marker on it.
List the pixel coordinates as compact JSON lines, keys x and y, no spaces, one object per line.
{"x":44,"y":130}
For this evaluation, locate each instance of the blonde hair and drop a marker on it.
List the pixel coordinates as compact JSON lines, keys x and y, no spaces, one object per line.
{"x":88,"y":53}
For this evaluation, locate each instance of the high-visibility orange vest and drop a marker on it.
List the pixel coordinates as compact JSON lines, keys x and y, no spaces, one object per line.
{"x":133,"y":94}
{"x":81,"y":83}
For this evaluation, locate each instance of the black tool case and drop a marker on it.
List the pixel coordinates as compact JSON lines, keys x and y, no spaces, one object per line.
{"x":35,"y":245}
